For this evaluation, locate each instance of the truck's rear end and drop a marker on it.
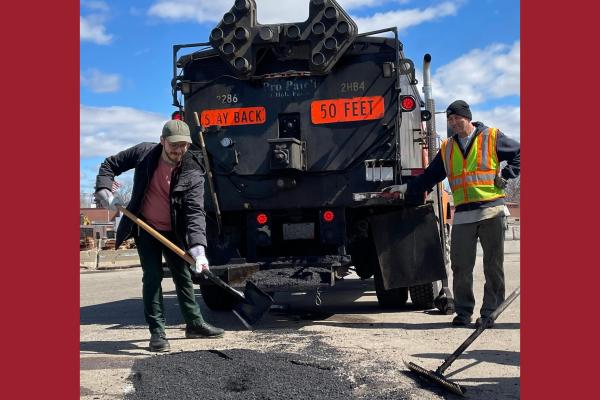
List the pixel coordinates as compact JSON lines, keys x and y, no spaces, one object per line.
{"x":303,"y":125}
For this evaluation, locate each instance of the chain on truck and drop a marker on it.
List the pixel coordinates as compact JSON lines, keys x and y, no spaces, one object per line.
{"x":300,"y":126}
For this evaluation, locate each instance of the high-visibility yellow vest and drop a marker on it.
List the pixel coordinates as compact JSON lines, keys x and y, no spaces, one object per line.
{"x":472,"y":179}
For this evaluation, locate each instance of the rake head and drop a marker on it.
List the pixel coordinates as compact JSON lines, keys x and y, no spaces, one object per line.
{"x":436,"y":378}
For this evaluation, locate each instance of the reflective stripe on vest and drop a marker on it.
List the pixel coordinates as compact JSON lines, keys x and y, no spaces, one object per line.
{"x":472,"y":179}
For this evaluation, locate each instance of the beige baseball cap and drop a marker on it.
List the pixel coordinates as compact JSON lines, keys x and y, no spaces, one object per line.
{"x":176,"y":130}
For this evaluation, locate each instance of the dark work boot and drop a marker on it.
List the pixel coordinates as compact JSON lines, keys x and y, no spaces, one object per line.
{"x":461,"y":320}
{"x":489,"y":323}
{"x":444,"y":303}
{"x":159,"y":342}
{"x":204,"y":330}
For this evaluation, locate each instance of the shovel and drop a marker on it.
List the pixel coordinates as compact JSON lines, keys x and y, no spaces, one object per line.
{"x":437,"y":375}
{"x":251,"y":305}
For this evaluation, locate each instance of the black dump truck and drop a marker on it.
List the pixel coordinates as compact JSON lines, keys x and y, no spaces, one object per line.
{"x":300,"y":126}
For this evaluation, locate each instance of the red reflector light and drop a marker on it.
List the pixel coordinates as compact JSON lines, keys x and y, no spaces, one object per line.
{"x":328,"y":216}
{"x":176,"y":115}
{"x":262,"y":218}
{"x":407,"y":103}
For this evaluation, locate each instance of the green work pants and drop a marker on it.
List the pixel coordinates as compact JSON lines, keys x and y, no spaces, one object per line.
{"x":151,"y":251}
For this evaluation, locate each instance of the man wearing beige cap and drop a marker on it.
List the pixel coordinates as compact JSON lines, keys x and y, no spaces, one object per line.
{"x":168,"y":194}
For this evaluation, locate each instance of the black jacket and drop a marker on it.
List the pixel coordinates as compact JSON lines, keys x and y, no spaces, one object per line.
{"x":508,"y":150}
{"x":188,"y":218}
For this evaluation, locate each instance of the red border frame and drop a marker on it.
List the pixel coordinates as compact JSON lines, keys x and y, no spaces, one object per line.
{"x":41,"y":274}
{"x":559,"y":202}
{"x":40,"y":83}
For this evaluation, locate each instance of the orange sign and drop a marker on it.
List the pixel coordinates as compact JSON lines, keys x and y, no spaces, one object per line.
{"x":233,"y":116}
{"x":346,"y":110}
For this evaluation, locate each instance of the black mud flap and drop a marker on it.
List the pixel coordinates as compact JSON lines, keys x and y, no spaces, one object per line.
{"x":408,"y":247}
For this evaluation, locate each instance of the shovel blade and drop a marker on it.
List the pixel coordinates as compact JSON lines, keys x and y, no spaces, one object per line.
{"x":256,"y":303}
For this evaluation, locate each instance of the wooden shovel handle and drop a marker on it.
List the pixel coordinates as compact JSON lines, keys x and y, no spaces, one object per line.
{"x":209,"y":274}
{"x":157,"y":235}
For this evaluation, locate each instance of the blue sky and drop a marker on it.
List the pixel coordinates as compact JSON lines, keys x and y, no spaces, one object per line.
{"x":126,"y":48}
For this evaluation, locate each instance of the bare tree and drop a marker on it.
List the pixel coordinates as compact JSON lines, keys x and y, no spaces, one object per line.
{"x":513,"y":190}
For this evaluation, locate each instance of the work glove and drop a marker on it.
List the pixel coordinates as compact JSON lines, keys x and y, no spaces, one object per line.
{"x":106,"y":199}
{"x":197,"y":252}
{"x":499,"y":181}
{"x":395,"y":189}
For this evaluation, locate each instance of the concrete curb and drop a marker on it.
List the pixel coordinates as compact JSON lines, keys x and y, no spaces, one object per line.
{"x":108,"y":259}
{"x":513,"y":233}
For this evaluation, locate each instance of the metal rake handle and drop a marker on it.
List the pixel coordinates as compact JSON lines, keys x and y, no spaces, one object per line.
{"x":479,"y":330}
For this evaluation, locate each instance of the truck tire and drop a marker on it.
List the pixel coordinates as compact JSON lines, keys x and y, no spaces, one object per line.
{"x":363,"y":252}
{"x":363,"y":271}
{"x":216,"y":298}
{"x":422,"y":296}
{"x":391,"y":299}
{"x":364,"y":259}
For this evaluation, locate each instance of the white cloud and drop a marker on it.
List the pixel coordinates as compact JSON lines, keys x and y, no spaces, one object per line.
{"x":505,"y":118}
{"x":404,"y":19}
{"x":95,"y":5}
{"x":100,"y":82}
{"x":87,"y":178}
{"x":107,"y":130}
{"x":197,"y":10}
{"x":268,"y":11}
{"x":283,"y":11}
{"x":354,"y":4}
{"x":509,"y":67}
{"x":480,"y":75}
{"x":92,"y":29}
{"x":276,"y":12}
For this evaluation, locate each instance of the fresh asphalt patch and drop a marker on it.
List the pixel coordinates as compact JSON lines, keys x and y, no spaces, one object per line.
{"x":248,"y":374}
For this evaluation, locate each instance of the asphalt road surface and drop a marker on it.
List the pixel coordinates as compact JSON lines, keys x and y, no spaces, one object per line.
{"x":347,"y":347}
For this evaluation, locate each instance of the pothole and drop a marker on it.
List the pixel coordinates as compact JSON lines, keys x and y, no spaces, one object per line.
{"x":245,"y":374}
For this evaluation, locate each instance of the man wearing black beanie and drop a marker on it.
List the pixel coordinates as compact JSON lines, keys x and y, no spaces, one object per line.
{"x":470,"y":159}
{"x":459,"y":107}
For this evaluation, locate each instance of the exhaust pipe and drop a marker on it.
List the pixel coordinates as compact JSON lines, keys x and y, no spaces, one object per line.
{"x":444,"y":300}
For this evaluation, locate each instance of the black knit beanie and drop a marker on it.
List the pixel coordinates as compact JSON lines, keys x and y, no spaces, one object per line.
{"x":459,"y":107}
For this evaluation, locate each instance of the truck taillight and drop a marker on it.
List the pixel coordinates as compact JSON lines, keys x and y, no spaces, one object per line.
{"x":328,"y":216}
{"x":177,"y":115}
{"x":262,"y":218}
{"x":407,"y":103}
{"x":332,"y":226}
